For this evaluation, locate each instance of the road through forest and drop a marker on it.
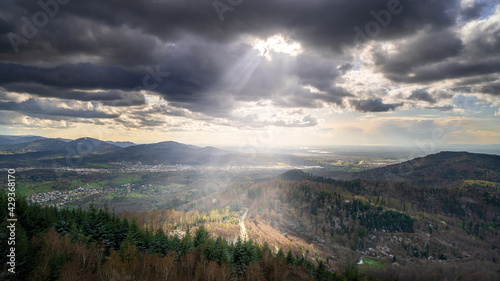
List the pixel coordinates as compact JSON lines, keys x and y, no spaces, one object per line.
{"x":243,"y":232}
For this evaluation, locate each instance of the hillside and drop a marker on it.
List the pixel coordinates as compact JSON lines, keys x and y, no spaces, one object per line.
{"x":441,"y":169}
{"x":297,"y":175}
{"x":397,"y":227}
{"x":9,"y":140}
{"x":168,"y":153}
{"x":375,"y":220}
{"x":85,"y":146}
{"x":173,"y":153}
{"x":57,"y":152}
{"x":445,"y":209}
{"x":33,"y":146}
{"x":95,"y":244}
{"x":53,"y":152}
{"x":121,"y":143}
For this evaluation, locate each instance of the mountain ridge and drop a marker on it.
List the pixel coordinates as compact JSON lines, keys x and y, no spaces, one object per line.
{"x":439,"y":169}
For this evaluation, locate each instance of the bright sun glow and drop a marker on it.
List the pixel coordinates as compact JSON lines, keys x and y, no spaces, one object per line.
{"x":278,"y":44}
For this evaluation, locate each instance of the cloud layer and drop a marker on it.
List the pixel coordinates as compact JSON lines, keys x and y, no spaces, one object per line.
{"x":150,"y":64}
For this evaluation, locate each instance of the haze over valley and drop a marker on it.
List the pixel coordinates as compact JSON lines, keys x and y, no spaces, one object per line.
{"x":366,"y":207}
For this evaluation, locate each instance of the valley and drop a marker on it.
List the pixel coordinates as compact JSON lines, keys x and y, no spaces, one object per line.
{"x":384,"y":217}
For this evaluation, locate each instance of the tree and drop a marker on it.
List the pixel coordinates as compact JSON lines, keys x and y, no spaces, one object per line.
{"x":187,"y":242}
{"x":128,"y":251}
{"x":351,"y":272}
{"x":280,"y":255}
{"x":238,"y":257}
{"x":289,"y":257}
{"x":201,"y":236}
{"x":321,"y":273}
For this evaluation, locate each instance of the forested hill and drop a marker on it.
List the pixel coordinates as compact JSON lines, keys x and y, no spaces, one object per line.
{"x":444,"y":168}
{"x":94,"y":244}
{"x":434,"y":227}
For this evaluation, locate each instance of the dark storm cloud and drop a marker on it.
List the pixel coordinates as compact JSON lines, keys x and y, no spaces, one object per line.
{"x":452,"y":53}
{"x":315,"y":72}
{"x":302,"y":97}
{"x":80,"y":75}
{"x":322,"y":23}
{"x":473,"y":11}
{"x":448,"y":70}
{"x":484,"y":40}
{"x":420,"y":51}
{"x":39,"y":108}
{"x":373,"y":105}
{"x":492,"y":88}
{"x":431,"y":96}
{"x":111,"y":97}
{"x":107,"y":50}
{"x":422,"y":95}
{"x":206,"y":77}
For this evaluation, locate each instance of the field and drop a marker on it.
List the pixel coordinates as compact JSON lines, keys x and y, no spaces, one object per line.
{"x":371,"y":263}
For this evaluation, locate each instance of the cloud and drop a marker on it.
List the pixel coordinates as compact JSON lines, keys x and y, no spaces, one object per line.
{"x":109,"y":28}
{"x":418,"y":52}
{"x":206,"y":77}
{"x":40,"y":108}
{"x":99,"y":60}
{"x":78,"y":75}
{"x":109,"y":97}
{"x":460,"y":52}
{"x":441,"y":108}
{"x":422,"y":95}
{"x":373,"y":105}
{"x":482,"y":85}
{"x":472,"y":9}
{"x":254,"y":121}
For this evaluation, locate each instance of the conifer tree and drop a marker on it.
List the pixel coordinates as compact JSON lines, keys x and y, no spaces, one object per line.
{"x":186,"y":242}
{"x":290,"y":258}
{"x":201,"y":235}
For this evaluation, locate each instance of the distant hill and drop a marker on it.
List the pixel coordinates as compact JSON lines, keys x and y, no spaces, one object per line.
{"x":294,"y":175}
{"x":56,"y":152}
{"x":168,"y":152}
{"x":81,"y":146}
{"x":53,"y":152}
{"x":10,"y":140}
{"x":33,"y":146}
{"x":173,"y":153}
{"x":84,"y":146}
{"x":444,"y":168}
{"x":121,"y":143}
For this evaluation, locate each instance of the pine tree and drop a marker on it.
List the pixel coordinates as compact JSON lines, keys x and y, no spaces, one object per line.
{"x":289,"y":257}
{"x":128,"y":250}
{"x":239,"y":257}
{"x":221,"y":251}
{"x":161,"y":243}
{"x":201,"y":236}
{"x":280,"y":255}
{"x":187,"y":242}
{"x":321,"y":273}
{"x":209,"y":250}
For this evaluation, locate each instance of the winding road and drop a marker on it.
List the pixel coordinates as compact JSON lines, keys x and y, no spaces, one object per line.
{"x":243,"y":232}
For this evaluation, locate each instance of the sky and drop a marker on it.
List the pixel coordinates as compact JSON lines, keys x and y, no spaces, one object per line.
{"x":252,"y":72}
